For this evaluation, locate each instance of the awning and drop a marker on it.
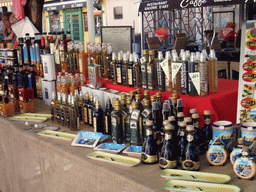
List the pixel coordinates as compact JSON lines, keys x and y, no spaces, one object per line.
{"x":154,"y":5}
{"x":57,"y":5}
{"x":5,"y":4}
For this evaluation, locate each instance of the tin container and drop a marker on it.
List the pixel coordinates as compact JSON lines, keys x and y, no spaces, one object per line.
{"x":94,"y":76}
{"x":248,"y":133}
{"x":223,"y":130}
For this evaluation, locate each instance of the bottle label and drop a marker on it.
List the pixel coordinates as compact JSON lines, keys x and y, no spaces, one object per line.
{"x":190,"y":138}
{"x":106,"y":124}
{"x":118,"y":75}
{"x":90,"y":116}
{"x":175,"y":69}
{"x":166,"y":164}
{"x":25,"y":54}
{"x":134,"y":128}
{"x":195,"y":80}
{"x":150,"y":77}
{"x":148,"y":158}
{"x":85,"y":115}
{"x":168,"y":136}
{"x":114,"y":131}
{"x":130,"y":79}
{"x":144,"y":76}
{"x":95,"y":124}
{"x":32,"y":54}
{"x":216,"y":155}
{"x":37,"y":53}
{"x":190,"y":165}
{"x":207,"y":121}
{"x":135,"y":115}
{"x":244,"y":168}
{"x":182,"y":133}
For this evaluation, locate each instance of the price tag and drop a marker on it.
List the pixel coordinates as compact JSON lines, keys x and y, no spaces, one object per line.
{"x":195,"y":78}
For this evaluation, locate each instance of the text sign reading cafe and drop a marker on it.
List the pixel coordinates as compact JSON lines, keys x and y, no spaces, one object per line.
{"x":182,"y":4}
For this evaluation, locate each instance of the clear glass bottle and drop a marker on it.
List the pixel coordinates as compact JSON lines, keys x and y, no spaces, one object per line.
{"x":212,"y":70}
{"x":149,"y":154}
{"x":58,"y":108}
{"x":160,"y":72}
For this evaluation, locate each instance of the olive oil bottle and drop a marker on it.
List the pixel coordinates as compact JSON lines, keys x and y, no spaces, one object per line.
{"x":146,"y":115}
{"x":113,"y":69}
{"x":157,"y":125}
{"x":197,"y":132}
{"x":160,"y":72}
{"x":184,"y":74}
{"x":167,"y":159}
{"x":116,"y":123}
{"x":151,"y":72}
{"x":190,"y":159}
{"x":130,"y":71}
{"x":108,"y":60}
{"x":90,"y":110}
{"x":125,"y":70}
{"x":207,"y":126}
{"x":68,"y":118}
{"x":58,"y":108}
{"x":74,"y":119}
{"x":119,"y":69}
{"x":136,"y":72}
{"x":107,"y":117}
{"x":146,"y":97}
{"x":182,"y":140}
{"x":86,"y":105}
{"x":80,"y":107}
{"x":98,"y":118}
{"x":144,"y":61}
{"x":149,"y":154}
{"x":125,"y":113}
{"x":53,"y":107}
{"x":136,"y":125}
{"x":128,"y":117}
{"x":63,"y":109}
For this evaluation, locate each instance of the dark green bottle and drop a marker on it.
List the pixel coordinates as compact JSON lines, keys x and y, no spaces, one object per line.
{"x":124,"y":115}
{"x":146,"y":115}
{"x":90,"y":110}
{"x":136,"y":125}
{"x":119,"y":69}
{"x":116,"y":123}
{"x":157,"y":125}
{"x":149,"y":154}
{"x":167,"y":159}
{"x":190,"y":159}
{"x":197,"y":131}
{"x":138,"y":100}
{"x":98,"y":118}
{"x":127,"y":123}
{"x":182,"y":141}
{"x":86,"y":106}
{"x":130,"y":71}
{"x":107,"y":117}
{"x":207,"y":126}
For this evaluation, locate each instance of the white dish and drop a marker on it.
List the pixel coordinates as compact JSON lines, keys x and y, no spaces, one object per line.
{"x":111,"y":147}
{"x":133,"y":150}
{"x":88,"y":139}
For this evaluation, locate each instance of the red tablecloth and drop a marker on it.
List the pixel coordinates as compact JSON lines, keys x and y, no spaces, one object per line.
{"x":223,"y":104}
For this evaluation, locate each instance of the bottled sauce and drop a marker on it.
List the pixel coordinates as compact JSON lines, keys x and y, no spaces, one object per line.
{"x":167,"y":159}
{"x":125,"y":70}
{"x":212,"y":70}
{"x":181,"y":141}
{"x":135,"y":125}
{"x":207,"y":126}
{"x":136,"y":72}
{"x":98,"y":118}
{"x":190,"y":159}
{"x":149,"y":154}
{"x":151,"y":72}
{"x":68,"y":118}
{"x":179,"y":106}
{"x":130,"y":71}
{"x":119,"y":69}
{"x":168,"y":78}
{"x":160,"y":72}
{"x":113,"y":76}
{"x":244,"y":166}
{"x":146,"y":115}
{"x":74,"y":119}
{"x":184,"y":74}
{"x":90,"y":110}
{"x":192,"y":68}
{"x":107,"y":117}
{"x":203,"y":69}
{"x":63,"y":110}
{"x":82,"y":61}
{"x":176,"y":73}
{"x":144,"y":61}
{"x":116,"y":123}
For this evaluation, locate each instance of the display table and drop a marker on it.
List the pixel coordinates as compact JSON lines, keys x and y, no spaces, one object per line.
{"x":222,"y":104}
{"x":30,"y":162}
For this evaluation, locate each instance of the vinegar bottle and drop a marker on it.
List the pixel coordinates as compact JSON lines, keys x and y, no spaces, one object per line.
{"x":212,"y":70}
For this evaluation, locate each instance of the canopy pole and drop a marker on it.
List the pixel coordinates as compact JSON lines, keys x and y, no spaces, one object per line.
{"x":91,"y":23}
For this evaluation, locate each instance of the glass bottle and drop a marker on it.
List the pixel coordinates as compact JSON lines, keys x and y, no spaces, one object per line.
{"x":113,"y":69}
{"x":116,"y":123}
{"x":130,"y":71}
{"x":58,"y":108}
{"x":98,"y":118}
{"x":85,"y":105}
{"x":151,"y":72}
{"x":63,"y":110}
{"x":144,"y":61}
{"x":190,"y":159}
{"x":26,"y":49}
{"x":192,"y":68}
{"x":184,"y":73}
{"x":20,"y":57}
{"x":207,"y":126}
{"x":68,"y":118}
{"x":53,"y":107}
{"x":197,"y":132}
{"x":168,"y":78}
{"x":125,"y":70}
{"x":157,"y":125}
{"x":146,"y":115}
{"x":132,"y":95}
{"x":74,"y":119}
{"x":181,"y":141}
{"x":136,"y":125}
{"x":127,"y":124}
{"x":107,"y":117}
{"x":160,"y":105}
{"x":146,"y":96}
{"x":160,"y":72}
{"x":203,"y":69}
{"x":80,"y":107}
{"x":212,"y":70}
{"x":90,"y":110}
{"x":166,"y":111}
{"x":119,"y":69}
{"x":192,"y":111}
{"x":109,"y":60}
{"x":125,"y":113}
{"x":63,"y":54}
{"x":138,"y":100}
{"x":136,"y":72}
{"x":82,"y":61}
{"x":167,"y":159}
{"x":176,"y":73}
{"x":172,"y":112}
{"x":152,"y":99}
{"x":175,"y":101}
{"x":149,"y":154}
{"x":75,"y":57}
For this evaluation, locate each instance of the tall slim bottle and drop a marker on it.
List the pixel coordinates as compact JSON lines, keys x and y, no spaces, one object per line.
{"x":207,"y":126}
{"x":168,"y":78}
{"x":151,"y":72}
{"x":125,"y":70}
{"x":82,"y":61}
{"x":125,"y":113}
{"x":86,"y":106}
{"x":98,"y":118}
{"x":160,"y":72}
{"x":149,"y":154}
{"x":190,"y":159}
{"x":119,"y":69}
{"x":68,"y":118}
{"x":113,"y":69}
{"x":107,"y":117}
{"x":146,"y":115}
{"x":144,"y":61}
{"x":90,"y":110}
{"x":108,"y":60}
{"x":184,"y":74}
{"x":176,"y":73}
{"x":212,"y":70}
{"x":136,"y":125}
{"x":192,"y":67}
{"x":182,"y":142}
{"x":63,"y":110}
{"x":136,"y":72}
{"x":74,"y":119}
{"x":58,"y":108}
{"x":203,"y":69}
{"x":116,"y":123}
{"x":157,"y":125}
{"x":130,"y":71}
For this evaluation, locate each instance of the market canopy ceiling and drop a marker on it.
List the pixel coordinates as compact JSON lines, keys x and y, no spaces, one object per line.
{"x":154,"y":5}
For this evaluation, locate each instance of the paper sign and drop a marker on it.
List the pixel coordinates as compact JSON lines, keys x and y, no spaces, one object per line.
{"x":175,"y":68}
{"x":165,"y":67}
{"x":195,"y":78}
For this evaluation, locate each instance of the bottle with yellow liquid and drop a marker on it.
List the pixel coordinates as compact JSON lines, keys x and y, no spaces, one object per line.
{"x":212,"y":70}
{"x":82,"y":61}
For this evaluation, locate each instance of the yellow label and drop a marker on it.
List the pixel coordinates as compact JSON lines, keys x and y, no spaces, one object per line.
{"x":118,"y":75}
{"x":95,"y":124}
{"x":80,"y":65}
{"x":190,"y":165}
{"x":90,"y":116}
{"x":106,"y":123}
{"x":166,"y":164}
{"x":129,"y":76}
{"x":148,"y":158}
{"x":85,"y":115}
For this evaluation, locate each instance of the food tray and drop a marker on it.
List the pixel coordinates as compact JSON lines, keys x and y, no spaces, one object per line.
{"x":27,"y":118}
{"x":189,"y":186}
{"x":133,"y":150}
{"x":36,"y":114}
{"x":57,"y":134}
{"x":111,"y":147}
{"x":102,"y":139}
{"x":195,"y":176}
{"x":114,"y":158}
{"x":86,"y":139}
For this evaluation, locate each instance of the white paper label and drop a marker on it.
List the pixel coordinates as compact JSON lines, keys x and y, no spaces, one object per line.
{"x":165,"y":67}
{"x":249,"y":128}
{"x":195,"y":78}
{"x":175,"y":68}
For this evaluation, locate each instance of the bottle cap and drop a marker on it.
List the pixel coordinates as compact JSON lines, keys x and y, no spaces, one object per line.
{"x":125,"y":57}
{"x":169,"y":127}
{"x":207,"y":112}
{"x":128,"y":100}
{"x":131,"y":58}
{"x":193,"y":57}
{"x":146,"y":92}
{"x":73,"y":100}
{"x":123,"y":96}
{"x":165,"y":107}
{"x":212,"y":54}
{"x":160,"y":55}
{"x":168,"y":55}
{"x":151,"y":52}
{"x":146,"y":103}
{"x":205,"y":53}
{"x":138,"y":90}
{"x":202,"y":57}
{"x":137,"y":96}
{"x":145,"y":52}
{"x":187,"y":119}
{"x":114,"y":56}
{"x":171,"y":118}
{"x":183,"y":56}
{"x":175,"y":56}
{"x":190,"y":128}
{"x":182,"y":124}
{"x":187,"y":53}
{"x":158,"y":94}
{"x":193,"y":110}
{"x":195,"y":116}
{"x":165,"y":122}
{"x":182,"y":51}
{"x":155,"y":106}
{"x":53,"y":95}
{"x":59,"y":96}
{"x":132,"y":93}
{"x":152,"y":98}
{"x":149,"y":123}
{"x":69,"y":99}
{"x":174,"y":96}
{"x":198,"y":56}
{"x":180,"y":114}
{"x":97,"y":104}
{"x":135,"y":105}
